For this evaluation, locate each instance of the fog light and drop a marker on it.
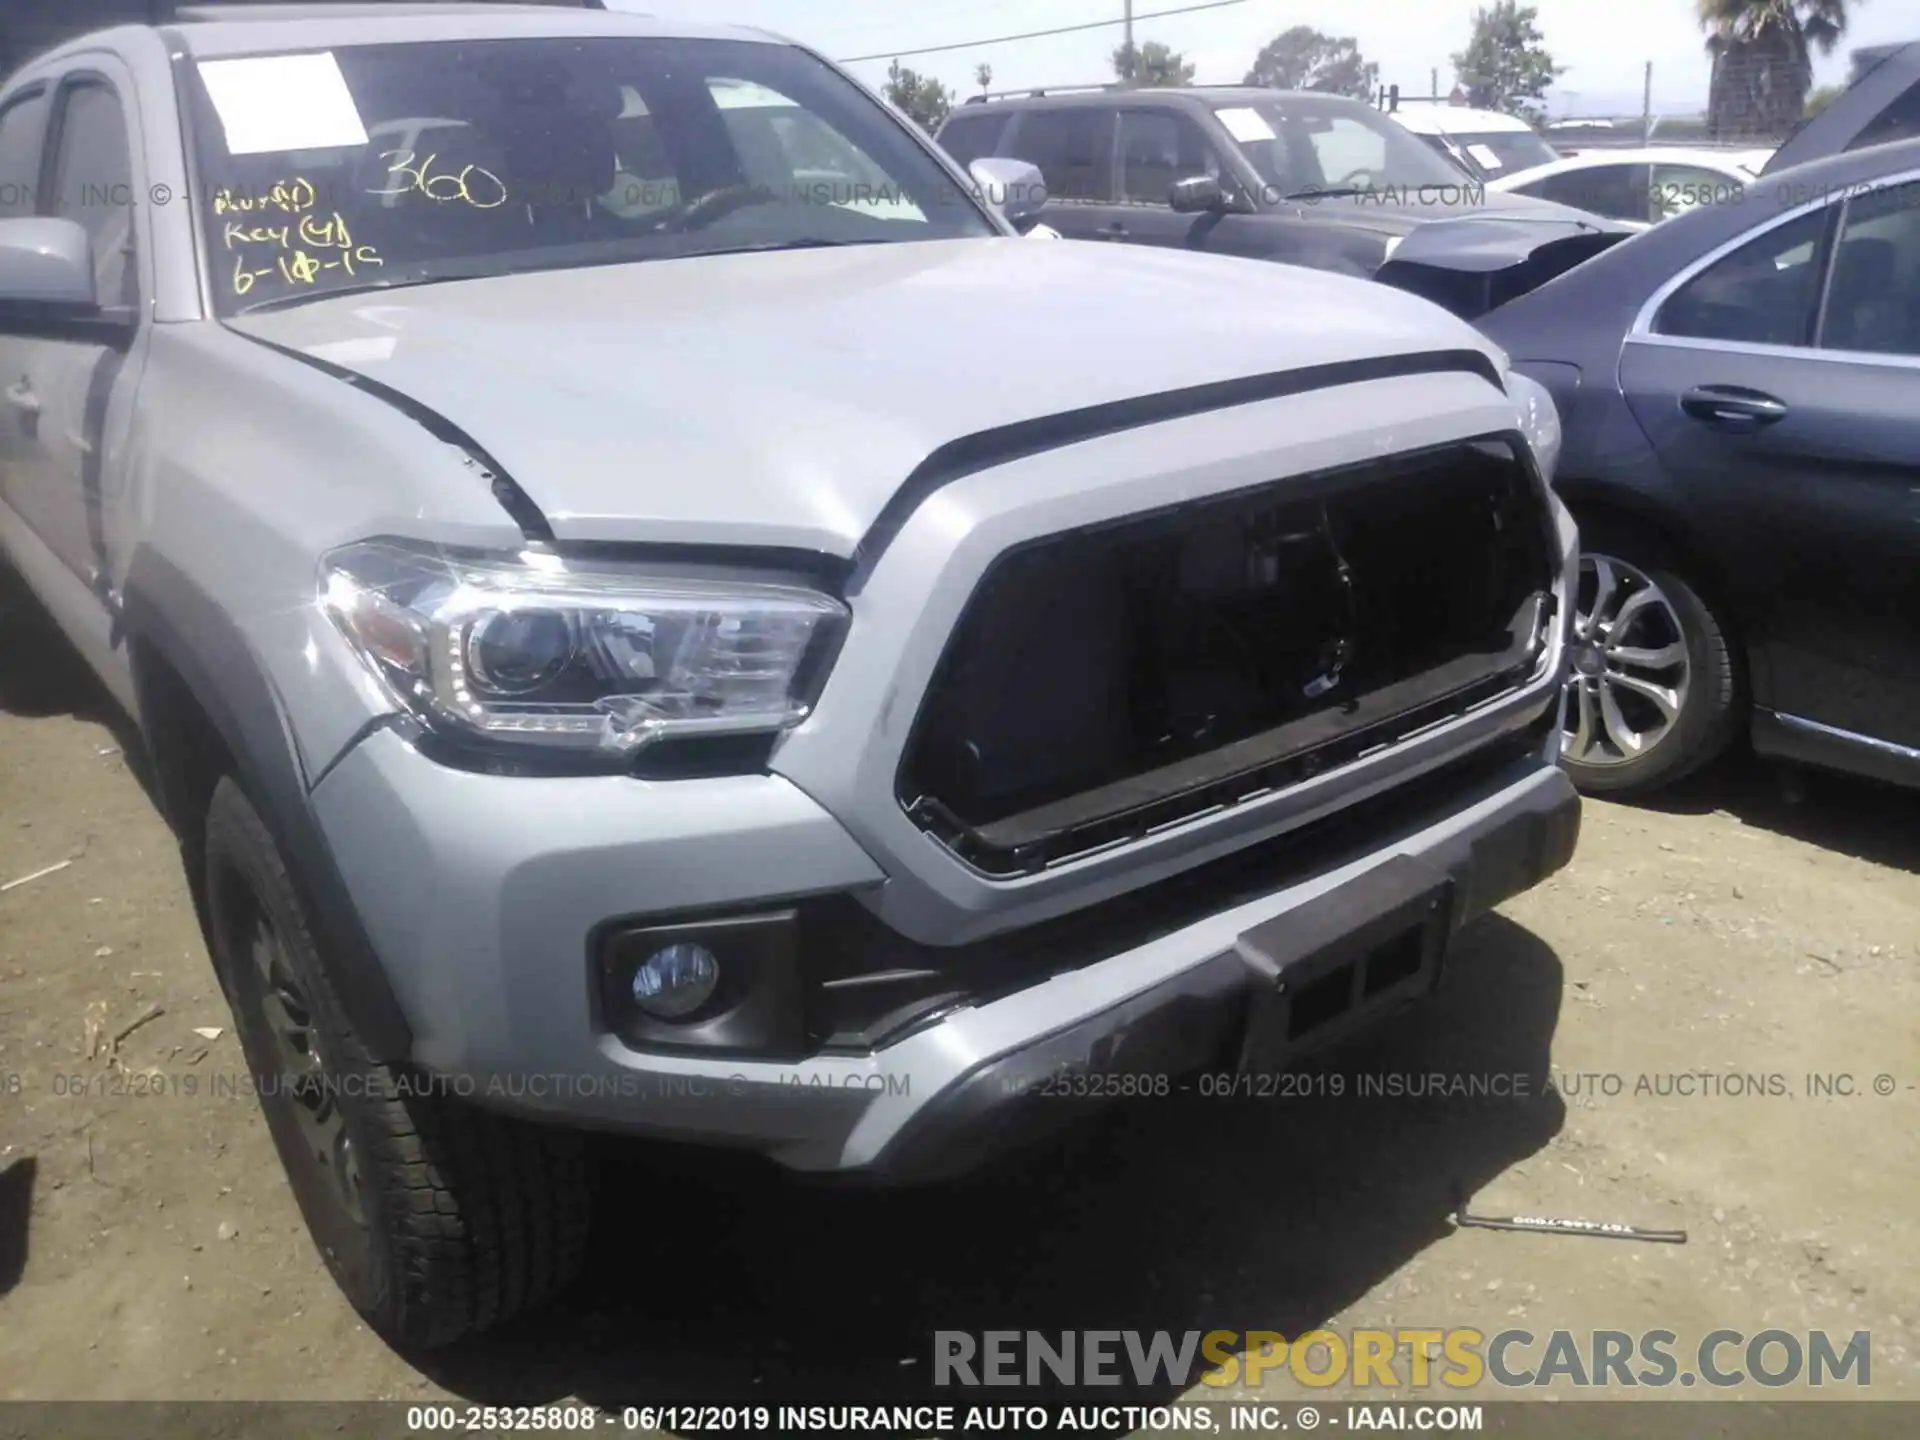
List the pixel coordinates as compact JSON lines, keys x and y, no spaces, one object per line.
{"x":675,"y":981}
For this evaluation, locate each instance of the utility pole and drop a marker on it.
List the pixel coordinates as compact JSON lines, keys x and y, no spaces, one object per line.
{"x":1646,"y":107}
{"x":1433,"y":83}
{"x":1129,"y":35}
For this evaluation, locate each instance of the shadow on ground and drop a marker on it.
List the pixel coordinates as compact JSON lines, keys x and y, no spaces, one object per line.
{"x":731,"y":1283}
{"x":16,"y":1204}
{"x":1863,"y":818}
{"x":42,"y":675}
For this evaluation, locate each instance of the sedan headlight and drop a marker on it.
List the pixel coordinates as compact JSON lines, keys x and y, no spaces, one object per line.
{"x":534,"y":650}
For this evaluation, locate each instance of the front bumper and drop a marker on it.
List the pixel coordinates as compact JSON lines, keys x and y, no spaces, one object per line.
{"x":484,"y":929}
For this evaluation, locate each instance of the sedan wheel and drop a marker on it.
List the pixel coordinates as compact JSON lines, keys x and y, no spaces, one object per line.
{"x":1653,"y":686}
{"x":1631,"y":675}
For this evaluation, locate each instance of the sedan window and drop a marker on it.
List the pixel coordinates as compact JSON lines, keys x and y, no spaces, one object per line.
{"x":1764,"y":293}
{"x":1873,"y":300}
{"x":1679,"y":188}
{"x":1618,"y":192}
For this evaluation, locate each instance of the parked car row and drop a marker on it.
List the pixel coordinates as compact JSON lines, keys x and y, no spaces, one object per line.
{"x":1739,"y":389}
{"x":1313,"y":179}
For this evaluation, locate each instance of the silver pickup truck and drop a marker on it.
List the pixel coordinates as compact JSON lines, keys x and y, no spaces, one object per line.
{"x":658,"y":611}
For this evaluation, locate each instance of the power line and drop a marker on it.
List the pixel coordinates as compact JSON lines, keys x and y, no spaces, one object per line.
{"x":1037,"y":34}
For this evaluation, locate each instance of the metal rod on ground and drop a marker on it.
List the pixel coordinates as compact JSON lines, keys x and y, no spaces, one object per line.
{"x":1541,"y":1225}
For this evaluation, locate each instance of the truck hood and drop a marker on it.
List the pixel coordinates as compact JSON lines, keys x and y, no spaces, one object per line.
{"x":781,"y":399}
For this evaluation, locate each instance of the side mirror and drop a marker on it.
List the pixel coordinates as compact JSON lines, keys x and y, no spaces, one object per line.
{"x":1197,"y":194}
{"x":46,"y":270}
{"x":1013,"y":187}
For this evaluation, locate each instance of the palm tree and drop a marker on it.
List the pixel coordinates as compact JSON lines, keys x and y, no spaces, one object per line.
{"x":1763,"y":61}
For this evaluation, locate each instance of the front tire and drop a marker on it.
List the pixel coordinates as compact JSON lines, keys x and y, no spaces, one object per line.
{"x":436,"y":1219}
{"x":1654,"y":689}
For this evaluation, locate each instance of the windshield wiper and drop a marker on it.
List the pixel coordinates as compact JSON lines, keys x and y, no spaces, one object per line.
{"x":809,"y":242}
{"x":302,"y":297}
{"x":494,"y":270}
{"x":1330,"y":192}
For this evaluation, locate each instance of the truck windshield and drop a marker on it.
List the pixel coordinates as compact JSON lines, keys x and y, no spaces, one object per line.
{"x":1303,"y":143}
{"x":378,"y":165}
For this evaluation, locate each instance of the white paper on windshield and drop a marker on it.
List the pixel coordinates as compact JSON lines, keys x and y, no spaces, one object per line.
{"x":1245,"y":125}
{"x":283,"y":102}
{"x":1485,"y":156}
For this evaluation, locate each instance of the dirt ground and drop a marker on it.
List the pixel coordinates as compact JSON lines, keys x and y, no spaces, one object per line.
{"x":149,"y":1247}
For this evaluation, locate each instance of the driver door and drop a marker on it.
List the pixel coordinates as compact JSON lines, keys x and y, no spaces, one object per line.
{"x":66,"y":401}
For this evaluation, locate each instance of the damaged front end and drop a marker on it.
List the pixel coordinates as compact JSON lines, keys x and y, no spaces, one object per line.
{"x":1111,"y":682}
{"x":1477,"y":263}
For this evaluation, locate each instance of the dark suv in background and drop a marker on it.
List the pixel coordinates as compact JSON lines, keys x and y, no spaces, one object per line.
{"x":1312,"y":179}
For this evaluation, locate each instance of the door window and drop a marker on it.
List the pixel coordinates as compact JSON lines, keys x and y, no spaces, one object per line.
{"x":92,"y":183}
{"x":1764,"y":293}
{"x":1873,"y":303}
{"x":969,"y":137}
{"x":1073,"y":148}
{"x":1157,"y":149}
{"x":22,"y":125}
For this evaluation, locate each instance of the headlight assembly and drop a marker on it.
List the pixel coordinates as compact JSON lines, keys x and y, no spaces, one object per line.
{"x":534,"y":650}
{"x":1539,"y":418}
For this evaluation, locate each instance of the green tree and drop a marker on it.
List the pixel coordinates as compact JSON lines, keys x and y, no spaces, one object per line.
{"x":922,"y":97}
{"x":1505,"y":66}
{"x":1763,"y":61}
{"x":1151,"y":64}
{"x":1303,"y":58}
{"x":1821,"y":98}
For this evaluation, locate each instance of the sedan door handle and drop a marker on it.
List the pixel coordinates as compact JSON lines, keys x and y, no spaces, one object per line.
{"x":1732,"y":407}
{"x":22,"y":398}
{"x":1113,"y":230}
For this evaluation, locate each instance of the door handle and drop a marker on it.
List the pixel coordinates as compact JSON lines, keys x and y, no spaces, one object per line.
{"x":1113,"y":230}
{"x":1732,"y":407}
{"x":22,"y":398}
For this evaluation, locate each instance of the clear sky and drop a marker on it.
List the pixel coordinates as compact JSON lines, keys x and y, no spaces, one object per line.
{"x":1603,"y":45}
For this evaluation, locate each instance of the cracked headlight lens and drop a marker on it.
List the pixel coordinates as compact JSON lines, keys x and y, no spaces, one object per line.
{"x":537,"y":650}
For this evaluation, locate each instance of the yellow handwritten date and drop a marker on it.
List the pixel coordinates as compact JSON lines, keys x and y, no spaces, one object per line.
{"x":469,"y":185}
{"x":301,"y":268}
